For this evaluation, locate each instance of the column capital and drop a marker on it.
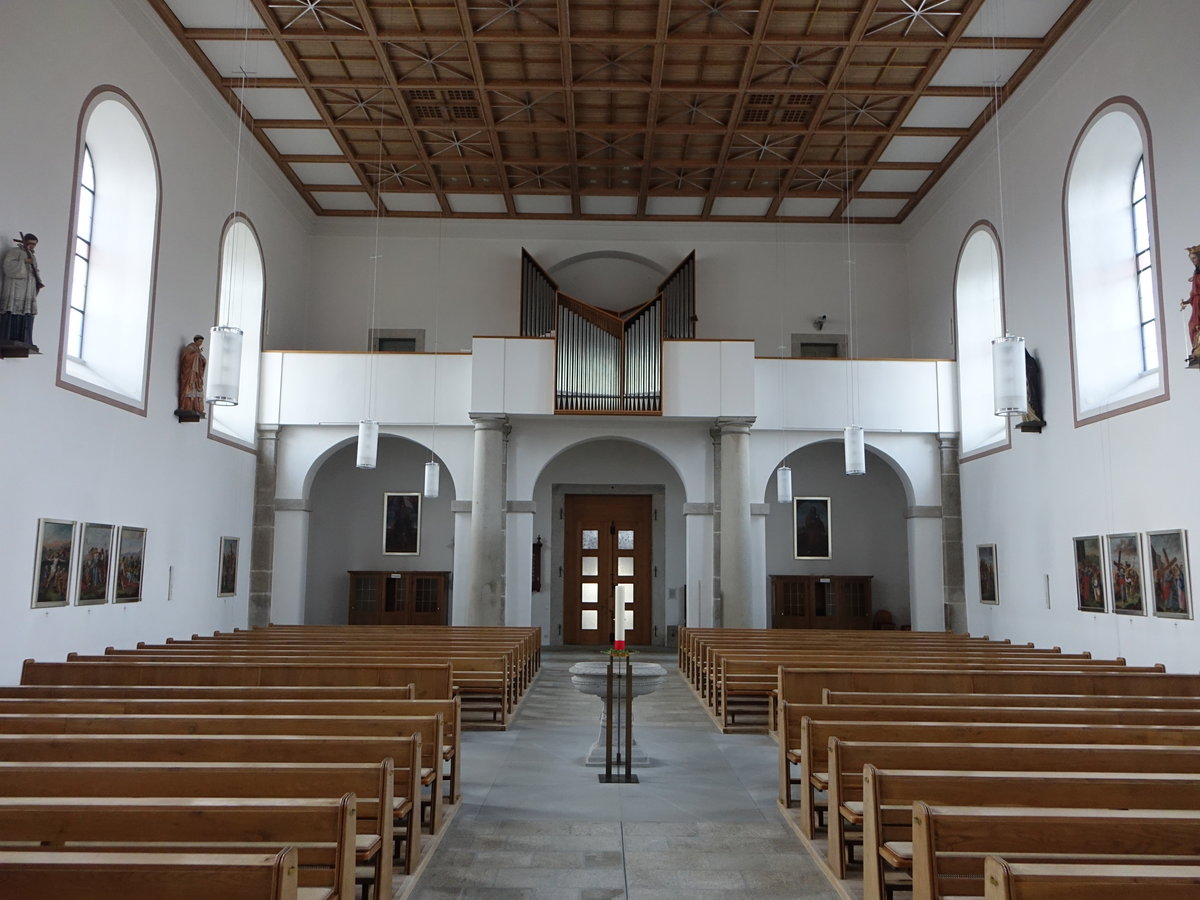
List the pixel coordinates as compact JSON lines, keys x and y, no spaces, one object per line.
{"x":735,"y":424}
{"x":489,"y":421}
{"x":947,"y":440}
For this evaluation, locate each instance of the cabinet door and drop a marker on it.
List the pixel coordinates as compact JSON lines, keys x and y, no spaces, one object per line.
{"x":791,"y":601}
{"x":427,"y":593}
{"x":854,"y":601}
{"x":824,"y":604}
{"x":364,"y":598}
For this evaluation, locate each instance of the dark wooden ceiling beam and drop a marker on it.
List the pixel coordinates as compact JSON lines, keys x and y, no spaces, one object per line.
{"x":407,"y":120}
{"x":661,"y":32}
{"x":566,"y":65}
{"x":613,"y":37}
{"x":863,"y":19}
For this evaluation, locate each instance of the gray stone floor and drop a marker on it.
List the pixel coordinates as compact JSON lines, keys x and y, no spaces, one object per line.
{"x":535,"y":823}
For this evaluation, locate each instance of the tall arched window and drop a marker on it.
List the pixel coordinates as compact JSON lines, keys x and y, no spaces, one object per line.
{"x":108,"y":305}
{"x":83,"y":254}
{"x":979,"y":318}
{"x":1113,"y":291}
{"x":240,"y":303}
{"x":1139,"y":205}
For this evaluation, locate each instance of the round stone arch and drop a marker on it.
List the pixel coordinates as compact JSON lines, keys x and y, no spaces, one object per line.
{"x":869,"y":530}
{"x":615,"y":465}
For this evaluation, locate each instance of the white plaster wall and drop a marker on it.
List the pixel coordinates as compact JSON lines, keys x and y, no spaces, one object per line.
{"x":69,"y":457}
{"x":345,"y":531}
{"x":460,"y":278}
{"x":1128,"y":473}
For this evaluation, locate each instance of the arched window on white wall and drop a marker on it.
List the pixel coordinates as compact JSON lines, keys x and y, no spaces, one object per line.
{"x":979,"y":319}
{"x":1115,"y":301}
{"x":108,"y":306}
{"x":240,"y":303}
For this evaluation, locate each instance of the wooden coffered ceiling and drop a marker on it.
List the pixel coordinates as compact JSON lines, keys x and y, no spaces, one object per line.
{"x":720,"y":110}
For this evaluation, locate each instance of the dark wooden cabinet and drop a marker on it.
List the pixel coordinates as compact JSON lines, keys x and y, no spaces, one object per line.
{"x":821,"y":601}
{"x":399,"y":598}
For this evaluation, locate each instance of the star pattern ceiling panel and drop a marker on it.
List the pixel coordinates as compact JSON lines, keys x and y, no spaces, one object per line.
{"x":749,"y":110}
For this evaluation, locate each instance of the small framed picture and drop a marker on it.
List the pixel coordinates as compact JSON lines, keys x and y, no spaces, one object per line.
{"x":989,"y":585}
{"x":1089,"y":574}
{"x":1169,"y":574}
{"x":95,"y":557}
{"x":401,"y":524}
{"x":1125,"y":574}
{"x":227,"y":567}
{"x":52,"y":563}
{"x":131,"y":558}
{"x":810,"y":521}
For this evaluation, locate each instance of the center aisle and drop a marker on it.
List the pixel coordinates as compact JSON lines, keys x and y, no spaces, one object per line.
{"x":536,"y":823}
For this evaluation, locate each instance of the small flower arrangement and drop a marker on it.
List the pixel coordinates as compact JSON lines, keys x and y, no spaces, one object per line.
{"x":618,"y":651}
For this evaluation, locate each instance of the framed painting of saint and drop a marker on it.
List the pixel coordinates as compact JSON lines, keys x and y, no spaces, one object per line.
{"x":810,"y":522}
{"x":52,"y":563}
{"x":131,"y":558}
{"x":1089,"y":574}
{"x":95,"y":557}
{"x":227,"y":567}
{"x":1169,"y":579}
{"x":989,"y":581}
{"x":1125,"y":574}
{"x":401,"y":524}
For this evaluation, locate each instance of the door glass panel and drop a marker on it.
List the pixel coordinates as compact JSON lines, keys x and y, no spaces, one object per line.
{"x":588,"y":592}
{"x":591,"y":539}
{"x":625,"y":540}
{"x":624,"y":594}
{"x":591,"y":566}
{"x":629,"y":620}
{"x":625,"y":566}
{"x":587,"y":619}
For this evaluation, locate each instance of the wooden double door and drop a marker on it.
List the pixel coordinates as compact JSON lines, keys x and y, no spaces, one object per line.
{"x":607,"y":564}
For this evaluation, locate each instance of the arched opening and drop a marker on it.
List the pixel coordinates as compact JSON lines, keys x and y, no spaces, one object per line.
{"x":574,"y":605}
{"x":348,"y":529}
{"x":865,"y":529}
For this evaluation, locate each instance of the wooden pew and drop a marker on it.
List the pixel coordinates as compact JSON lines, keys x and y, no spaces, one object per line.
{"x":427,"y":728}
{"x":154,"y":876}
{"x":792,"y":753}
{"x":888,"y":796}
{"x":449,"y":710}
{"x":815,"y":735}
{"x":1005,"y":880}
{"x":1108,"y":701}
{"x":808,"y":685}
{"x":207,"y":692}
{"x":487,"y":682}
{"x":431,"y":682}
{"x":950,"y":843}
{"x":322,"y":830}
{"x":288,"y":748}
{"x":373,"y":786}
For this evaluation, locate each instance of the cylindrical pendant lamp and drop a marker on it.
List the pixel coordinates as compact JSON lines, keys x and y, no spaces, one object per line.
{"x":856,"y":450}
{"x":783,"y":484}
{"x":1008,"y":375}
{"x":433,"y":474}
{"x":368,"y":443}
{"x":224,"y":365}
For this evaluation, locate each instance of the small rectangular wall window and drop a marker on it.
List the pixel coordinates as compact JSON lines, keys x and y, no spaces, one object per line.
{"x":819,"y":345}
{"x":397,"y":340}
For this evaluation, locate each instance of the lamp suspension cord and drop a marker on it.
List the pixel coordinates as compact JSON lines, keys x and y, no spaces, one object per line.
{"x":372,"y":357}
{"x":997,"y":24}
{"x":849,"y":219}
{"x":235,"y":256}
{"x":437,"y":308}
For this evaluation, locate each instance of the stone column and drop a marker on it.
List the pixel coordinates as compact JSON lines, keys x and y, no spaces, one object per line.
{"x":262,"y":539}
{"x":952,"y":542}
{"x":737,"y":570}
{"x":485,"y":594}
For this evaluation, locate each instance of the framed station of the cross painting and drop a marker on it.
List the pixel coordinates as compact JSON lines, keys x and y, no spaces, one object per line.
{"x":53,"y":562}
{"x":1089,"y":574}
{"x":989,"y":579}
{"x":1125,"y":574}
{"x":1169,"y":577}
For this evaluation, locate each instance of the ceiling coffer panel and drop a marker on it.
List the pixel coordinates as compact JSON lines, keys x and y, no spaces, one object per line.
{"x":688,"y":109}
